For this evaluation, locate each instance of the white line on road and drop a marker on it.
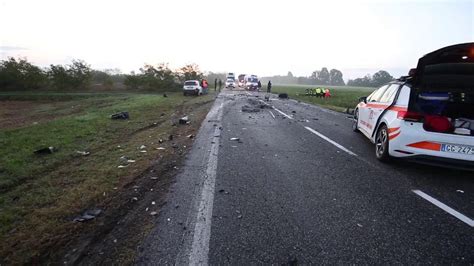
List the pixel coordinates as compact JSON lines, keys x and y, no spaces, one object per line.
{"x":331,"y":141}
{"x":202,"y":229}
{"x":445,"y":207}
{"x":289,"y":117}
{"x":272,"y":114}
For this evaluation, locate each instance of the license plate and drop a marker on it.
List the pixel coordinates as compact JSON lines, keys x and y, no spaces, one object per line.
{"x":469,"y":150}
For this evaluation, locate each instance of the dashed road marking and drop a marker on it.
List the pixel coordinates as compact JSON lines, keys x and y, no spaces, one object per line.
{"x":445,"y":207}
{"x":331,"y":141}
{"x":289,"y":117}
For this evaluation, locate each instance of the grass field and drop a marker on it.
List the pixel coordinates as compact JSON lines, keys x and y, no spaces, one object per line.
{"x":342,"y":97}
{"x":40,"y":194}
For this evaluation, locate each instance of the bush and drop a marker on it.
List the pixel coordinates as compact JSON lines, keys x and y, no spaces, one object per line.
{"x":78,"y":75}
{"x":21,"y":75}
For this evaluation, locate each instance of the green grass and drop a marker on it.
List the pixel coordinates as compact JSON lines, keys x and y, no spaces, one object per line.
{"x":342,"y":97}
{"x":40,"y":193}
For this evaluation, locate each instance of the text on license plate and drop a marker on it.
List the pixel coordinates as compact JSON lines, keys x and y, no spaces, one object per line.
{"x":457,"y":149}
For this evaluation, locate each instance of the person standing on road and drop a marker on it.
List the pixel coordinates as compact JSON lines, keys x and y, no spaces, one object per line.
{"x":259,"y":85}
{"x":269,"y":86}
{"x":220,"y":85}
{"x":215,"y":84}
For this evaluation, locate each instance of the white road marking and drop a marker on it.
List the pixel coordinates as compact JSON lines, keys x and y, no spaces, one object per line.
{"x":289,"y":117}
{"x":330,"y":141}
{"x":272,"y":114}
{"x":445,"y":207}
{"x":202,"y":229}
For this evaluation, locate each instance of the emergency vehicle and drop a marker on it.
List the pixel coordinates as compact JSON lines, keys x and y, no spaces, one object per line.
{"x":427,"y":116}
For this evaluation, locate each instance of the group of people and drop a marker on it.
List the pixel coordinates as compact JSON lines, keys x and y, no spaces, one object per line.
{"x":216,"y":82}
{"x":319,"y":92}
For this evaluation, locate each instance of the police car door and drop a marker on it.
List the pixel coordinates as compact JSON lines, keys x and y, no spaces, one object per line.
{"x":383,"y":103}
{"x":366,"y":111}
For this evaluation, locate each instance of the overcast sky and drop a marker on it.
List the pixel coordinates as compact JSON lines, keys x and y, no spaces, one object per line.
{"x":242,"y":36}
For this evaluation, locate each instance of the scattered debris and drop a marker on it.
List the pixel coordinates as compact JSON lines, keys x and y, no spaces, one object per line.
{"x":294,"y":112}
{"x":142,"y":147}
{"x":240,"y":216}
{"x":83,"y":153}
{"x":190,"y":136}
{"x":121,"y":115}
{"x":47,"y":150}
{"x":122,"y":166}
{"x":134,"y":199}
{"x":160,"y":148}
{"x":460,"y":191}
{"x":153,"y":213}
{"x":184,"y":120}
{"x":234,"y":139}
{"x":143,"y":151}
{"x":250,"y":109}
{"x":164,"y":95}
{"x":130,"y":161}
{"x":153,"y":203}
{"x":88,"y":215}
{"x":154,"y":178}
{"x":283,"y":95}
{"x":359,"y":225}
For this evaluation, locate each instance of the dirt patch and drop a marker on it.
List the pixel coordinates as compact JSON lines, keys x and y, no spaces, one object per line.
{"x":16,"y":114}
{"x":114,"y":237}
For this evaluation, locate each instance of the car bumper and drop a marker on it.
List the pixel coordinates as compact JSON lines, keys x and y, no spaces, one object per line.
{"x":191,"y":91}
{"x":412,"y":141}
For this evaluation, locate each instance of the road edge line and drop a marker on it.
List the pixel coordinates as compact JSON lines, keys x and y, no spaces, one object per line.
{"x":202,"y":229}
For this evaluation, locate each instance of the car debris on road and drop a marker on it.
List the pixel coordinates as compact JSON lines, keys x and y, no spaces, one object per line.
{"x":121,"y":115}
{"x":47,"y":150}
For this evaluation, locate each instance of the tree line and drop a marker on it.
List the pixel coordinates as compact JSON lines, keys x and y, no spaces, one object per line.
{"x":332,"y":77}
{"x":19,"y":74}
{"x":376,"y":80}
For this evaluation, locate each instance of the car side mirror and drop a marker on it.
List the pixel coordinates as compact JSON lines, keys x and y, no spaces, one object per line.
{"x":363,"y":99}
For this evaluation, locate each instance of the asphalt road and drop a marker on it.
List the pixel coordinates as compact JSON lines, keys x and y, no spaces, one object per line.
{"x":300,"y":187}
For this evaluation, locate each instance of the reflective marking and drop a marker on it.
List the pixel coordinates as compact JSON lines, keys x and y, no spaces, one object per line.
{"x":331,"y":141}
{"x":202,"y":229}
{"x":445,"y":207}
{"x":427,"y":145}
{"x":272,"y":114}
{"x":289,"y":117}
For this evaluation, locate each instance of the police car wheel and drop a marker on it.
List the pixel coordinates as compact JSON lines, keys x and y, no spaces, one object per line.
{"x":381,"y":144}
{"x":356,"y":121}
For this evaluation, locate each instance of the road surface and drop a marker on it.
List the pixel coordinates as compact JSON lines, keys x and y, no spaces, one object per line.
{"x":300,"y":187}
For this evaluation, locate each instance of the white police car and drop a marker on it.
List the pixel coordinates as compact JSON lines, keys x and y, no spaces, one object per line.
{"x":427,"y":116}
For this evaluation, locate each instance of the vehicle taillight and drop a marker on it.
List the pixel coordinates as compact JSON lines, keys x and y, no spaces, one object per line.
{"x":410,"y":116}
